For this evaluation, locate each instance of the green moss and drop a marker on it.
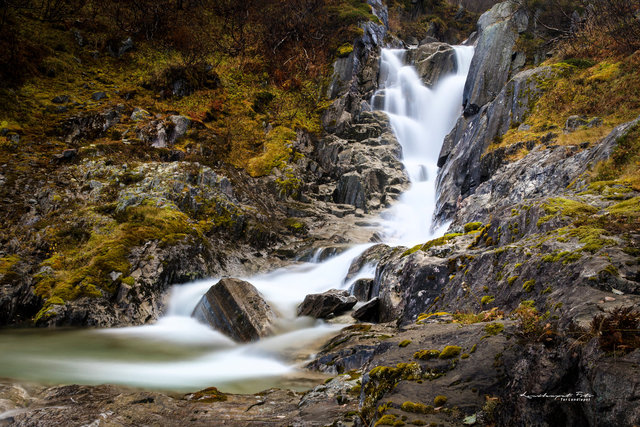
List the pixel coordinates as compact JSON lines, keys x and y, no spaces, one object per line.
{"x":548,"y":290}
{"x":472,"y":226}
{"x":129,"y":281}
{"x":383,"y":379}
{"x":344,"y":50}
{"x":440,"y":400}
{"x":464,"y":356}
{"x":590,"y":237}
{"x":487,"y":299}
{"x":494,"y":328}
{"x":426,"y":354}
{"x":566,"y":207}
{"x":84,"y":270}
{"x":389,"y":420}
{"x":432,"y":243}
{"x":450,"y":352}
{"x":417,"y":408}
{"x":473,"y":349}
{"x":629,"y":208}
{"x":529,"y":285}
{"x":512,"y":279}
{"x":8,"y":273}
{"x":528,"y":303}
{"x":404,"y":343}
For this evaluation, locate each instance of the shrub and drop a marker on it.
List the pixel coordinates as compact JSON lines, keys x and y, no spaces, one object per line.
{"x":618,"y":331}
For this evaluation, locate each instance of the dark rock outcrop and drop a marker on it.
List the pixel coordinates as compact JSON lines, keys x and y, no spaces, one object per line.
{"x":368,"y":312}
{"x":235,"y":308}
{"x":364,"y":163}
{"x":462,"y":158}
{"x":331,"y":302}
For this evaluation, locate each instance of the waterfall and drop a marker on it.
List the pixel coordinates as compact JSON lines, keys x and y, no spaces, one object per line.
{"x":421,"y":118}
{"x":179,"y":353}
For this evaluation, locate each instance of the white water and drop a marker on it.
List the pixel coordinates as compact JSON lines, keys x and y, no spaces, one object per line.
{"x":421,"y":118}
{"x":179,"y":353}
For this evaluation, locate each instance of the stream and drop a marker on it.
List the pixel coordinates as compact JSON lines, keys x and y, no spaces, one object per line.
{"x":179,"y":354}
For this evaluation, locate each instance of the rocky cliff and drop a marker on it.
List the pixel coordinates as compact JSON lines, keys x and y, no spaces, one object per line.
{"x":523,"y":313}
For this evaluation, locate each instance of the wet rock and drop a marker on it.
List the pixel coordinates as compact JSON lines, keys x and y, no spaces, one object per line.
{"x":368,"y":312}
{"x":325,"y":304}
{"x":434,"y":61}
{"x":363,"y":161}
{"x":406,"y":286}
{"x":543,"y":172}
{"x":236,"y":308}
{"x":361,"y":289}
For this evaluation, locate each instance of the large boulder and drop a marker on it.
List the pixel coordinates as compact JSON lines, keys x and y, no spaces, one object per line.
{"x":322,"y":305}
{"x":236,"y":308}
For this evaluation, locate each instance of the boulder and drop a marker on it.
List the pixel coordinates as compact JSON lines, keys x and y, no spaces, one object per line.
{"x":90,"y":126}
{"x":434,"y":61}
{"x":236,"y":308}
{"x":322,"y":305}
{"x":97,"y":96}
{"x":369,"y":312}
{"x":180,"y":126}
{"x":361,"y":289}
{"x":574,"y":123}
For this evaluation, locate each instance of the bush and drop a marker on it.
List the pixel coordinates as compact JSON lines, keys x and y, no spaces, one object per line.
{"x":618,"y":331}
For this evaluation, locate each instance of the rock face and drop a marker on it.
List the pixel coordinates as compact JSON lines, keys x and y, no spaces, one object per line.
{"x":463,"y":158}
{"x":235,"y":308}
{"x":322,"y":305}
{"x":433,"y":61}
{"x":494,"y":60}
{"x":355,"y":77}
{"x":364,"y":162}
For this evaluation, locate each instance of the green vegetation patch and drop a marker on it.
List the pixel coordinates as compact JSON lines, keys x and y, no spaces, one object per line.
{"x":417,"y":408}
{"x":84,"y":270}
{"x":450,"y":351}
{"x":426,"y":354}
{"x":432,"y":243}
{"x":566,"y":207}
{"x":383,"y":379}
{"x":440,"y":400}
{"x":529,"y":285}
{"x":494,"y":328}
{"x":472,"y":226}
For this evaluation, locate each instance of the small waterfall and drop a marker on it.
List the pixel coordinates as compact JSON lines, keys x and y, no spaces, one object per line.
{"x":421,"y":118}
{"x":178,"y":353}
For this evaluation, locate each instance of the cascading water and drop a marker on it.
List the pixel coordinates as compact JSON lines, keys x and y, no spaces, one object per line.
{"x":421,"y":118}
{"x":179,"y":353}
